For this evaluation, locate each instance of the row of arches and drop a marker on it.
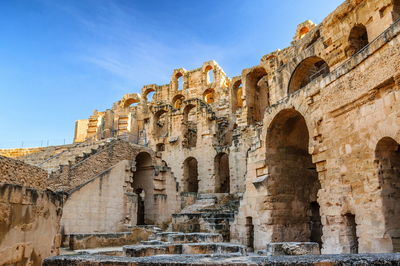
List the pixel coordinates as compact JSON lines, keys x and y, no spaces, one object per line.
{"x":209,"y":77}
{"x":208,"y":97}
{"x":293,"y":186}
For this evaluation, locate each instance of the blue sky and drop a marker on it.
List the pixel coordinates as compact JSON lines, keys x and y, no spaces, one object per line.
{"x":61,"y":59}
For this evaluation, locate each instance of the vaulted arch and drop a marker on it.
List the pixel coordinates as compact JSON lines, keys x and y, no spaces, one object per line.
{"x":358,"y":39}
{"x":387,"y":155}
{"x":306,"y":71}
{"x":293,"y":182}
{"x":143,"y":186}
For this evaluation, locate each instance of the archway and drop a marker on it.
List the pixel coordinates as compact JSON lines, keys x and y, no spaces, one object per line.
{"x":190,"y":175}
{"x":143,"y":186}
{"x":308,"y":70}
{"x":130,"y":102}
{"x":149,"y":94}
{"x":179,"y":81}
{"x":237,"y":91}
{"x":189,"y":126}
{"x":257,"y":94}
{"x":177,"y":101}
{"x":160,"y":124}
{"x":222,"y":176}
{"x":210,"y":76}
{"x":293,"y":183}
{"x":208,"y":96}
{"x":358,"y":39}
{"x":387,"y":155}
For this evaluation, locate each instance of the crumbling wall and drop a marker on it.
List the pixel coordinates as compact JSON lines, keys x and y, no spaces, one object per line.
{"x":19,"y":173}
{"x":346,"y":113}
{"x":29,"y":216}
{"x":341,"y":77}
{"x":86,"y":168}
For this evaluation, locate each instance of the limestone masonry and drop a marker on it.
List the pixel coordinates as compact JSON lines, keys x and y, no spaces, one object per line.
{"x":297,"y":155}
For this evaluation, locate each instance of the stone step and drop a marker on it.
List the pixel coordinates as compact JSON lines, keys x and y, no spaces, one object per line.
{"x":107,"y":251}
{"x":163,"y":236}
{"x":154,"y":242}
{"x":197,"y":237}
{"x":184,"y":248}
{"x":292,"y":248}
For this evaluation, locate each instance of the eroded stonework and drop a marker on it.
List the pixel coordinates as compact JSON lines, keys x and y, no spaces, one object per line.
{"x":303,"y":147}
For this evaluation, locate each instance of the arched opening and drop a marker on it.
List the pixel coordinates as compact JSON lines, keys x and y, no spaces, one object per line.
{"x":189,"y":126}
{"x":210,"y":76}
{"x":257,"y":94}
{"x":177,"y":101}
{"x":308,"y":70}
{"x":190,"y":175}
{"x":349,"y":234}
{"x":358,"y":39}
{"x":143,"y":186}
{"x":208,"y":96}
{"x":303,"y":31}
{"x":293,"y":182}
{"x":387,"y":155}
{"x":161,"y":124}
{"x":131,"y":102}
{"x":149,"y":94}
{"x":250,"y":233}
{"x":237,"y":92}
{"x":179,"y":81}
{"x":222,"y":176}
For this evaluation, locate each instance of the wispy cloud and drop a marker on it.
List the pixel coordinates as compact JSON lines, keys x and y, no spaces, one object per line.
{"x":133,"y":47}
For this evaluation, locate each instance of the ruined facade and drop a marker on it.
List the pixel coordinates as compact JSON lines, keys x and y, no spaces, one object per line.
{"x":309,"y":137}
{"x":307,"y":142}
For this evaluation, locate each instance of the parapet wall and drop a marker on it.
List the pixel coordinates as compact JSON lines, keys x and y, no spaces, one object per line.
{"x":15,"y":153}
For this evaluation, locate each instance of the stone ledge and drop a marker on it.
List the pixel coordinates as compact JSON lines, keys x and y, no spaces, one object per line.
{"x":343,"y":259}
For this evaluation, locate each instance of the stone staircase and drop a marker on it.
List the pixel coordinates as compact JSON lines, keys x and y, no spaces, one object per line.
{"x":212,"y":213}
{"x":52,"y":158}
{"x":173,"y":243}
{"x":168,"y":243}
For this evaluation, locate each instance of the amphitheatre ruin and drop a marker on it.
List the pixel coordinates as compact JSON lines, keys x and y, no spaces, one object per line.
{"x":295,"y":161}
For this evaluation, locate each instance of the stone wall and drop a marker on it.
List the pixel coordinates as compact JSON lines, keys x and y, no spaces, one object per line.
{"x":301,"y":132}
{"x":347,"y":113}
{"x":96,"y":240}
{"x":85,"y":168}
{"x":104,"y":190}
{"x":101,"y":205}
{"x":29,"y":224}
{"x":19,"y":173}
{"x":15,"y":153}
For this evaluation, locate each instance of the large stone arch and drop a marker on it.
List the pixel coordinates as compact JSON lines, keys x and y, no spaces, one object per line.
{"x":291,"y":66}
{"x":306,"y":71}
{"x":387,"y":159}
{"x":293,"y":181}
